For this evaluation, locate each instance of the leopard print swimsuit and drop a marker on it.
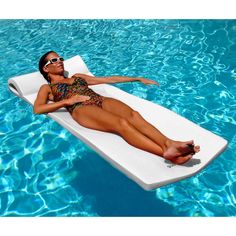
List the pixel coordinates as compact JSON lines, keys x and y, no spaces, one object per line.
{"x":62,"y":91}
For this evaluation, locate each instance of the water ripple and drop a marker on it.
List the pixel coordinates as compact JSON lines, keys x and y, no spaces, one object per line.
{"x":194,"y":62}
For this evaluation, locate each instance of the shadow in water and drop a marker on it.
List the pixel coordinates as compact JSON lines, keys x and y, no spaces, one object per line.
{"x":114,"y":194}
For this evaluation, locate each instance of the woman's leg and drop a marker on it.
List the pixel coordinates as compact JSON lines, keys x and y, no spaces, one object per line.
{"x":94,"y":117}
{"x":119,"y":108}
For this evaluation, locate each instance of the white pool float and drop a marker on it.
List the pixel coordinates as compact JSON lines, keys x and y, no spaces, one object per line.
{"x":146,"y":169}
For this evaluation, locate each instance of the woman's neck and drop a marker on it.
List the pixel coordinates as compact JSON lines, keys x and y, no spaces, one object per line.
{"x":56,"y":78}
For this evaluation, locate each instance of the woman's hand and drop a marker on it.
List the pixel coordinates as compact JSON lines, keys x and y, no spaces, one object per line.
{"x":148,"y":81}
{"x":75,"y":99}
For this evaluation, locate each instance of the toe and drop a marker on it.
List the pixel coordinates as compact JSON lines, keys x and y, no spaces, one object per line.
{"x":196,"y":149}
{"x":187,"y":144}
{"x":190,"y":142}
{"x":187,"y":148}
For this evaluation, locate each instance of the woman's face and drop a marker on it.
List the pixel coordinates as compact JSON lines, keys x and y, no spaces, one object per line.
{"x":54,"y":64}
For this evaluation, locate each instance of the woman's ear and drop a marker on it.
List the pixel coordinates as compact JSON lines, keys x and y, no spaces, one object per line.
{"x":45,"y":69}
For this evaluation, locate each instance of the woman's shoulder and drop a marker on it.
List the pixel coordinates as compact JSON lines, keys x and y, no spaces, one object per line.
{"x":45,"y":86}
{"x":77,"y":75}
{"x":45,"y":90}
{"x":78,"y":79}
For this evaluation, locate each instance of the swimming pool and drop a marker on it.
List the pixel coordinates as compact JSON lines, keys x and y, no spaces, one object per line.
{"x":46,"y":171}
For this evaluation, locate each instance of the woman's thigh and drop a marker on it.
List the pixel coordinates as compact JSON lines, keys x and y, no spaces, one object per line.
{"x":117,"y":107}
{"x":94,"y":117}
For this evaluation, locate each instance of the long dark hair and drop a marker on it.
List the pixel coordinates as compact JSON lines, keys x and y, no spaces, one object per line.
{"x":42,"y":63}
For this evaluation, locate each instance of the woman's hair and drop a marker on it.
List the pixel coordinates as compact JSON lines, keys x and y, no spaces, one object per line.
{"x":42,"y":63}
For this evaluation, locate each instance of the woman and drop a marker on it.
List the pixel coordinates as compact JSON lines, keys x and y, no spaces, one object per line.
{"x":94,"y":111}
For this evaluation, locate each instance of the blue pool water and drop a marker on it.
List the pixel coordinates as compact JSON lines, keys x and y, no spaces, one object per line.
{"x":46,"y":171}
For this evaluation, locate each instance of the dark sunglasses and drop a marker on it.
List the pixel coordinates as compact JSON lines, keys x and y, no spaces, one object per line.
{"x":54,"y":60}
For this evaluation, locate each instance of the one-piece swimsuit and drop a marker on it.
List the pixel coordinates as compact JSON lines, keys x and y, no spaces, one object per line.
{"x":63,"y":91}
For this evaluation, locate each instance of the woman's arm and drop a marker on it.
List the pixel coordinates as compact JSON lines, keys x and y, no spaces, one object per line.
{"x":91,"y":80}
{"x":41,"y":106}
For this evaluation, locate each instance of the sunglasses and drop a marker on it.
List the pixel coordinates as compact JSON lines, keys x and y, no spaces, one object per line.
{"x":54,"y":60}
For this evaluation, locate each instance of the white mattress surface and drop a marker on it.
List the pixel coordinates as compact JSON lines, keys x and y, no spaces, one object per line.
{"x":146,"y":169}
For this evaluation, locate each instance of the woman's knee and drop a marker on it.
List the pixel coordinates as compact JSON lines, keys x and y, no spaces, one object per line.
{"x":123,"y":124}
{"x":134,"y":116}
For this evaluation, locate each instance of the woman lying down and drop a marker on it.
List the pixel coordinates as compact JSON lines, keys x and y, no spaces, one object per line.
{"x":97,"y":112}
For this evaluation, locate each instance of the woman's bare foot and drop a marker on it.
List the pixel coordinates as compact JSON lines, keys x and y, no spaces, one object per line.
{"x":180,"y":152}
